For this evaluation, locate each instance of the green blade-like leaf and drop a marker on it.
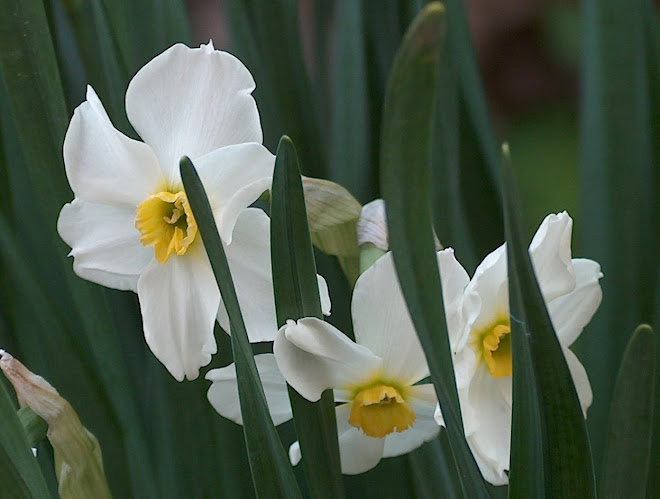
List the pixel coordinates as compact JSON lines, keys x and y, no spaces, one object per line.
{"x":617,"y":188}
{"x":35,"y":427}
{"x":19,"y":472}
{"x":547,"y":419}
{"x":628,"y":448}
{"x":297,"y":296}
{"x":405,"y":150}
{"x":267,"y":39}
{"x":349,"y":162}
{"x":37,"y":107}
{"x":272,"y":475}
{"x":477,"y":145}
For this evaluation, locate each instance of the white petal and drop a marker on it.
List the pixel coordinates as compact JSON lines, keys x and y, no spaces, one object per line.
{"x":223,"y":392}
{"x":102,"y":164}
{"x":490,"y":442}
{"x":249,"y":261}
{"x":314,"y":355}
{"x":454,"y":281}
{"x":179,"y":301}
{"x":570,"y":313}
{"x":423,"y":401}
{"x":550,"y":251}
{"x":104,"y":243}
{"x":358,"y":452}
{"x":382,"y":323}
{"x":295,"y":456}
{"x":234,"y":177}
{"x":580,"y":380}
{"x":324,"y":295}
{"x":191,"y":102}
{"x":486,"y":298}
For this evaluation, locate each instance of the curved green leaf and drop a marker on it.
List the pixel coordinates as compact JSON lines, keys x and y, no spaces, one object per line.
{"x":550,"y":451}
{"x":405,"y":150}
{"x":618,"y":175}
{"x":19,"y":472}
{"x":272,"y":475}
{"x":297,"y":296}
{"x":628,"y":447}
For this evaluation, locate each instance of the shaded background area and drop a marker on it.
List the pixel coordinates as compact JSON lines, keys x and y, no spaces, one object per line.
{"x":529,"y":55}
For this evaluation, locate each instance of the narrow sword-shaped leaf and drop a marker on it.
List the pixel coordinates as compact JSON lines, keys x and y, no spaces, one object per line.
{"x":297,"y":296}
{"x":37,"y":106}
{"x":628,"y":447}
{"x":547,"y":419}
{"x":267,"y":38}
{"x":272,"y":475}
{"x":349,"y":155}
{"x":405,"y":151}
{"x":19,"y":472}
{"x":617,"y":170}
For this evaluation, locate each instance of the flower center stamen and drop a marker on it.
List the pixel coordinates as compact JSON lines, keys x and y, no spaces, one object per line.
{"x":166,"y":222}
{"x":381,"y":410}
{"x":497,"y":350}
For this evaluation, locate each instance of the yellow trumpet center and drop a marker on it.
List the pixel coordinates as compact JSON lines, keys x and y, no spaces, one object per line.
{"x":496,"y":349}
{"x":381,"y":410}
{"x":166,"y":222}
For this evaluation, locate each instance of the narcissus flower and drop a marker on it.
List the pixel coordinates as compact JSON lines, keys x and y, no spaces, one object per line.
{"x":383,"y":411}
{"x":130,"y":225}
{"x":481,"y":337}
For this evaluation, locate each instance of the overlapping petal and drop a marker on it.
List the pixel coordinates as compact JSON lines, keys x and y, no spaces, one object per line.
{"x":314,"y":356}
{"x":382,"y":323}
{"x":223,"y":392}
{"x":486,"y":296}
{"x":191,"y":102}
{"x":572,"y":312}
{"x":105,"y":243}
{"x":490,"y":441}
{"x":580,"y":380}
{"x":234,"y":176}
{"x":179,"y":302}
{"x":102,"y":164}
{"x":550,"y":251}
{"x":454,"y":281}
{"x":248,"y":256}
{"x":249,"y":261}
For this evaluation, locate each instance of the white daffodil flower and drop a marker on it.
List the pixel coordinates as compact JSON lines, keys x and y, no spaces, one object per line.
{"x":481,"y":339}
{"x":130,"y":225}
{"x":384,"y":412}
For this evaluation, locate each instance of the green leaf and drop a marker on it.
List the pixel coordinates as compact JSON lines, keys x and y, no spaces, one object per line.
{"x":37,"y":107}
{"x":618,"y":177}
{"x":405,"y":150}
{"x":297,"y":296}
{"x":478,"y":152}
{"x":628,"y":447}
{"x":267,"y":38}
{"x":19,"y":472}
{"x":350,"y":163}
{"x":550,"y":452}
{"x":35,"y":427}
{"x":272,"y":475}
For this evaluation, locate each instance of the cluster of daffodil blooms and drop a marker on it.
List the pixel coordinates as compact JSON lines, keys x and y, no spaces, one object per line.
{"x":130,"y":227}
